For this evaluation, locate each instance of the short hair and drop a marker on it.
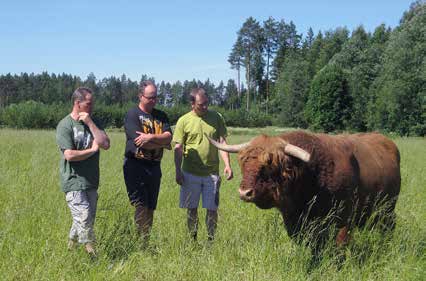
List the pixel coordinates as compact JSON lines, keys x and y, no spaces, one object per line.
{"x":197,"y":92}
{"x":145,"y":84}
{"x":80,"y":94}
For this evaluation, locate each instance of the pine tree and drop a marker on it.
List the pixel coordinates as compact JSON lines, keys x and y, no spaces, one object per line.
{"x":177,"y":93}
{"x":162,"y":93}
{"x":252,"y":42}
{"x":231,"y":99}
{"x":236,"y":61}
{"x":270,"y":30}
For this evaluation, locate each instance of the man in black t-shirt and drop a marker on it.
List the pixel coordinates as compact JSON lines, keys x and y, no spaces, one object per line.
{"x":147,"y":134}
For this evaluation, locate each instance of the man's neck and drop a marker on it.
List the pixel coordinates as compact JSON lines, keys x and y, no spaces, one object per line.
{"x":144,"y":109}
{"x":74,"y":115}
{"x":195,"y":113}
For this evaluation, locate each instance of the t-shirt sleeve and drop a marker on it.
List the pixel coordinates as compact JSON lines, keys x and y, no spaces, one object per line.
{"x":221,"y":130}
{"x":166,"y":127}
{"x":166,"y":124}
{"x":64,"y":137}
{"x":131,"y":125}
{"x":178,"y":136}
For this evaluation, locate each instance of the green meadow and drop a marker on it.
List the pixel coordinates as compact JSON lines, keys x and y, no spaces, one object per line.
{"x":251,"y":244}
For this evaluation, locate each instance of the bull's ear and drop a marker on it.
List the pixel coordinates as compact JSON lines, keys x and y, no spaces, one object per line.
{"x":290,"y":169}
{"x":287,"y":173}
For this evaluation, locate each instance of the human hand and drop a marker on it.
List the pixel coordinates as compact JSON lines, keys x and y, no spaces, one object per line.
{"x":228,"y":173}
{"x":95,"y":146}
{"x":179,"y":177}
{"x":142,"y":138}
{"x":85,"y":117}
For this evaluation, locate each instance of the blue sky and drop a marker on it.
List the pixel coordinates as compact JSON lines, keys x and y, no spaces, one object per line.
{"x":169,"y":40}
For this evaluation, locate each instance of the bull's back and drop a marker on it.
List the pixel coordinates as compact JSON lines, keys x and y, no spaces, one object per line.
{"x":378,"y":159}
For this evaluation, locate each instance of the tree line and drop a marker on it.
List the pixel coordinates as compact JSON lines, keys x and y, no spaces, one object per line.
{"x":51,"y":88}
{"x":335,"y":80}
{"x":41,"y":100}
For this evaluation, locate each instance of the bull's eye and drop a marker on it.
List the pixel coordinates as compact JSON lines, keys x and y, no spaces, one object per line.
{"x":266,"y":173}
{"x":287,"y":174}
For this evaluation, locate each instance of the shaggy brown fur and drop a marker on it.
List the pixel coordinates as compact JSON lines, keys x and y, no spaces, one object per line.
{"x":346,"y":175}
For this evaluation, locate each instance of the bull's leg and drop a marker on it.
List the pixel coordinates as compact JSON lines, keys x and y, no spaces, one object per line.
{"x":342,"y":237}
{"x":192,"y":222}
{"x":389,"y":221}
{"x":364,"y":208}
{"x":386,"y":214}
{"x":345,"y":217}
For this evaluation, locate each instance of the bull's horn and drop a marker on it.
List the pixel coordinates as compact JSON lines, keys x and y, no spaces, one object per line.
{"x":233,"y":148}
{"x":297,"y":152}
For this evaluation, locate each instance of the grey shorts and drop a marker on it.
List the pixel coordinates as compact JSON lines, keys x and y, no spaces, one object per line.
{"x":195,"y":186}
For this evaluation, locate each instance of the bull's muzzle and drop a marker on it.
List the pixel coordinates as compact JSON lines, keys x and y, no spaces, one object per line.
{"x":246,"y":194}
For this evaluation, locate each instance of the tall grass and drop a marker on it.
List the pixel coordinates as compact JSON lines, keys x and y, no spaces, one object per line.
{"x":251,"y":244}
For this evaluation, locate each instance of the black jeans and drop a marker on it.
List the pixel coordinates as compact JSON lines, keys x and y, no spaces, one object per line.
{"x":142,"y":180}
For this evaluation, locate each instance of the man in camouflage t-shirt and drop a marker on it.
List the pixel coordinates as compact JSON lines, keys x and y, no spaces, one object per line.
{"x":79,"y":140}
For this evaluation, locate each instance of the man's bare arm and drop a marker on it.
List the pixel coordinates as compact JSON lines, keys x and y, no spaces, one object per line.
{"x":150,"y":141}
{"x":80,"y":155}
{"x":178,"y":163}
{"x":100,"y":136}
{"x":225,"y":157}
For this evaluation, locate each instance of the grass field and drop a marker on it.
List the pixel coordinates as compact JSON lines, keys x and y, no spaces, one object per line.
{"x":251,"y":244}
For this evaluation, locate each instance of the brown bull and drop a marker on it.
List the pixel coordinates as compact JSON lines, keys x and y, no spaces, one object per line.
{"x":310,"y":177}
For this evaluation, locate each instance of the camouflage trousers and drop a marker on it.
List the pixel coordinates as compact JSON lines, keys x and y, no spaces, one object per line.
{"x":82,"y":205}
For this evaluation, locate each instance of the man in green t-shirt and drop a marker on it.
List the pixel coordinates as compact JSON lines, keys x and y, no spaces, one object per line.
{"x":79,"y":140}
{"x":198,"y":175}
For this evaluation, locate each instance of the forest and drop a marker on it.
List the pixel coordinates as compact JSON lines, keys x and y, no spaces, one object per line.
{"x":332,"y":81}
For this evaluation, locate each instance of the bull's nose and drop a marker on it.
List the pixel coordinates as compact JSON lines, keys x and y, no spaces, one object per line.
{"x":246,"y":194}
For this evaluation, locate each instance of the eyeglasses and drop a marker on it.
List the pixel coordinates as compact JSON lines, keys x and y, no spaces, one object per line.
{"x":150,"y":98}
{"x":205,"y":104}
